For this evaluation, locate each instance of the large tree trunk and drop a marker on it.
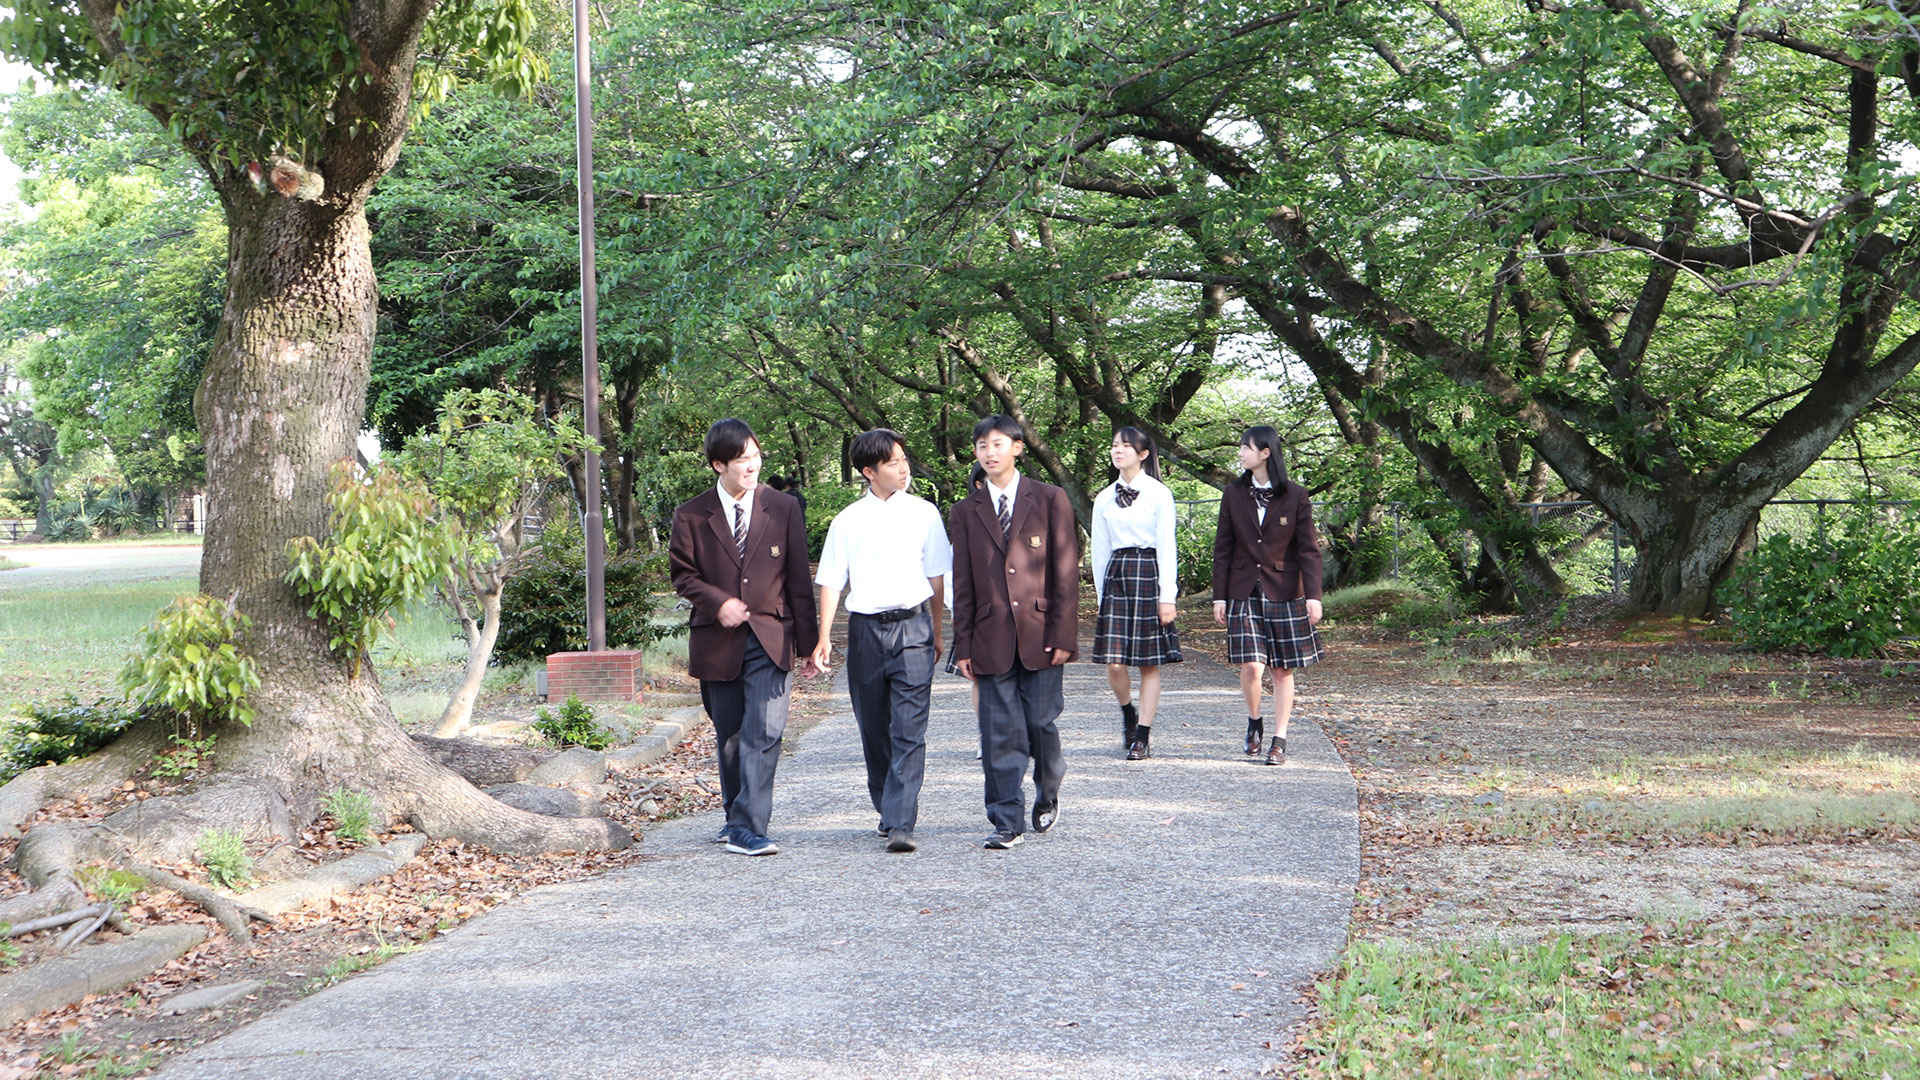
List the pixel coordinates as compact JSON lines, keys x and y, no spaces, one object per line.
{"x":1686,"y":553}
{"x":281,"y":401}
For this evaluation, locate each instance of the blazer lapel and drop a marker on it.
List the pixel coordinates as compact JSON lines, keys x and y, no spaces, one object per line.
{"x":723,"y":529}
{"x":758,"y":523}
{"x":989,"y":519}
{"x":1024,"y":507}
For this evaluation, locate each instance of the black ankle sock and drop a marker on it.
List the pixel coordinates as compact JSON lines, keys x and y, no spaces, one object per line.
{"x":1130,"y":712}
{"x":1142,"y":733}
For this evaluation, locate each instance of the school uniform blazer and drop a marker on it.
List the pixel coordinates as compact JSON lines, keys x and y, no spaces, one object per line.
{"x":773,"y":580}
{"x":1283,"y":555}
{"x":1019,"y":595}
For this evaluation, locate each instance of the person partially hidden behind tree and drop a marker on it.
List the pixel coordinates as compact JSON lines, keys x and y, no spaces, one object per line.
{"x":738,"y":553}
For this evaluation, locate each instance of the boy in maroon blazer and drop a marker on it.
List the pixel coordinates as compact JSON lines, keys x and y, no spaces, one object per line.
{"x":1016,"y":620}
{"x":738,"y":553}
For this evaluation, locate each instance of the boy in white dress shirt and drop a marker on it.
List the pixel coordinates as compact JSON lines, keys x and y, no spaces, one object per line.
{"x":892,"y":548}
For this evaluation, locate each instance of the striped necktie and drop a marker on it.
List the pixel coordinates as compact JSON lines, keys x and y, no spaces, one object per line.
{"x":1006,"y":519}
{"x":740,"y":529}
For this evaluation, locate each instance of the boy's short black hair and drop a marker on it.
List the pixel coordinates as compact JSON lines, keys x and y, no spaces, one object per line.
{"x":776,"y":482}
{"x":1005,"y":425}
{"x":727,"y":439}
{"x":872,"y":449}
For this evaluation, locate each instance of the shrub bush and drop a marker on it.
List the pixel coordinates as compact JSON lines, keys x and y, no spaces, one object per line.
{"x":574,"y":726}
{"x":1847,"y":595}
{"x":52,"y":734}
{"x":1193,"y":544}
{"x":543,"y":609}
{"x":189,"y":665}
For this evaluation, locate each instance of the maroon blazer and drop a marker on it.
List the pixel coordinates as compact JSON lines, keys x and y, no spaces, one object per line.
{"x":1284,"y":555}
{"x":774,"y":581}
{"x":1020,"y":594}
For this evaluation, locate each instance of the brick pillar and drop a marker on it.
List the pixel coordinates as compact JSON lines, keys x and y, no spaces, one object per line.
{"x":610,"y":675}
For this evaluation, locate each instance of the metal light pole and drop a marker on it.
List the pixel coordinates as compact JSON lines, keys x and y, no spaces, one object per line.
{"x":589,"y":337}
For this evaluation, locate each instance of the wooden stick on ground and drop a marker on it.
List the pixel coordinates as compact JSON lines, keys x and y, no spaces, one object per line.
{"x":83,"y":929}
{"x":53,"y":922}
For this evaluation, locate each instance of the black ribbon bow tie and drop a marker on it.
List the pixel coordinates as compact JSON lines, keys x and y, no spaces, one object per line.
{"x":1263,"y":496}
{"x":1123,"y":496}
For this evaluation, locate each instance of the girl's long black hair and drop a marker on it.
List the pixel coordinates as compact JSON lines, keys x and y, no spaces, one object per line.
{"x":1143,"y":445}
{"x":1262,"y":437}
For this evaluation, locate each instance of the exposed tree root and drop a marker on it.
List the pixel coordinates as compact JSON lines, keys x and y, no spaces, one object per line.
{"x":92,"y":777}
{"x":480,"y":764}
{"x":232,"y":916}
{"x":169,"y":829}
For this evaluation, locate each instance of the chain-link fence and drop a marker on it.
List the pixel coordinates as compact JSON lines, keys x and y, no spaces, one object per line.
{"x":1589,"y":549}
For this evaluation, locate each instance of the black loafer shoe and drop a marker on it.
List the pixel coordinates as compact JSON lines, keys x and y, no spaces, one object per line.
{"x":1045,"y":816}
{"x":901,"y":840}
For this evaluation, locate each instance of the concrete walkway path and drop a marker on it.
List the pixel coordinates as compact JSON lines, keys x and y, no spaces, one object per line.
{"x":1162,"y":929}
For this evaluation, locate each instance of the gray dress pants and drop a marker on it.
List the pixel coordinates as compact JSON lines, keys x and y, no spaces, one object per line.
{"x":890,"y":681}
{"x":1017,"y":714}
{"x":749,"y":716}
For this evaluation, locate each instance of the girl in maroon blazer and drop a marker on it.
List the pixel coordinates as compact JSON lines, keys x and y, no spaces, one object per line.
{"x":1266,"y":582}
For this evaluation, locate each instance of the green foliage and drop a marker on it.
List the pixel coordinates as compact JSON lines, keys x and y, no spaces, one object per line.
{"x":824,"y":501}
{"x":385,"y":548}
{"x":244,"y":82}
{"x":352,"y":814}
{"x":1193,"y":546}
{"x":118,"y":887}
{"x":224,"y":853}
{"x":544,"y":607}
{"x":485,"y":459}
{"x":190,"y":664}
{"x":574,"y":726}
{"x":9,"y":952}
{"x":1847,"y":594}
{"x":56,"y":733}
{"x":185,"y":756}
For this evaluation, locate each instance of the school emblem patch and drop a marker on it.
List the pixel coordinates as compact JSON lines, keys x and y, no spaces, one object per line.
{"x":776,"y":551}
{"x":1033,"y":541}
{"x":1283,"y":521}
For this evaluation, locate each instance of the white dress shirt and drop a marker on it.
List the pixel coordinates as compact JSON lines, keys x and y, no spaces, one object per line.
{"x":1012,"y":492}
{"x":728,"y":502}
{"x":1148,"y":523}
{"x":887,"y":549}
{"x":1260,"y":508}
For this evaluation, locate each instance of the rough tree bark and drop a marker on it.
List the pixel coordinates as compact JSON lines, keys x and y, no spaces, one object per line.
{"x":281,"y":401}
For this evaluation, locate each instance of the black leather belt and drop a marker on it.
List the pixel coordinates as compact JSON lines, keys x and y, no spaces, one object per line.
{"x":895,"y":615}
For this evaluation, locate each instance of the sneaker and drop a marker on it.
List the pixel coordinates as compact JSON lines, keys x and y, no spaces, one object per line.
{"x":743,"y":842}
{"x":883,"y":832}
{"x":901,"y":840}
{"x":1045,"y":816}
{"x":1001,"y":841}
{"x":726,"y":834}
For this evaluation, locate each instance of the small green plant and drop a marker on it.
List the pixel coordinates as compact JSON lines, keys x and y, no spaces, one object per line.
{"x":9,"y":952}
{"x":386,"y":547}
{"x":574,"y":726}
{"x":190,"y":665}
{"x":185,"y":757}
{"x":224,"y":853}
{"x":52,"y":734}
{"x":352,"y":813}
{"x":1849,"y":593}
{"x":117,"y":887}
{"x":353,"y":963}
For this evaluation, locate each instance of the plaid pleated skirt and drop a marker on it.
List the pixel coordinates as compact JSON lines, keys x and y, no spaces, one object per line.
{"x":1271,"y":632}
{"x":1129,"y":630}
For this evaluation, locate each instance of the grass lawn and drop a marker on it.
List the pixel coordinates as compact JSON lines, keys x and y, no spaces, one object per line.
{"x":1823,"y":998}
{"x":74,"y":640}
{"x":9,"y":564}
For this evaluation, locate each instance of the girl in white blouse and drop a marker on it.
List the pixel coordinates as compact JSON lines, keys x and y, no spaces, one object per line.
{"x":1134,"y":574}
